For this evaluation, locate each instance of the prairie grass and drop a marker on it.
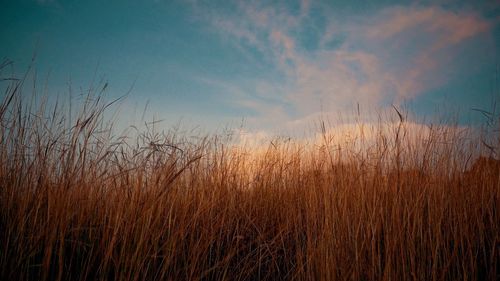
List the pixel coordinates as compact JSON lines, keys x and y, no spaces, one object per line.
{"x":80,"y":203}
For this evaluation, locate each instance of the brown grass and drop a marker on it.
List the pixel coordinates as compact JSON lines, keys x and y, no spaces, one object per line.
{"x":77,"y":203}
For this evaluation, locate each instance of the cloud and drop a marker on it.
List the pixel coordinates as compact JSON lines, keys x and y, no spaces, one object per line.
{"x":393,"y":54}
{"x":429,"y":37}
{"x":368,"y":140}
{"x":448,"y":27}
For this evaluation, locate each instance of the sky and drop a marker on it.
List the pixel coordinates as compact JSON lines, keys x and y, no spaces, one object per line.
{"x":270,"y":66}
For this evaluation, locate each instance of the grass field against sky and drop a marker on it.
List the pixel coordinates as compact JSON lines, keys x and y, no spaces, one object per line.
{"x":284,"y":140}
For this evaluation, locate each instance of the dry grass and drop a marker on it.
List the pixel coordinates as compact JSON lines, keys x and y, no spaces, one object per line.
{"x":77,"y":203}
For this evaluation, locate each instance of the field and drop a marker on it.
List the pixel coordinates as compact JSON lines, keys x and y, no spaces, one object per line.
{"x":78,"y":202}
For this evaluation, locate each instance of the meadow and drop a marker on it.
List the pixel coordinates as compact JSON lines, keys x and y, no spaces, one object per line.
{"x":79,"y":202}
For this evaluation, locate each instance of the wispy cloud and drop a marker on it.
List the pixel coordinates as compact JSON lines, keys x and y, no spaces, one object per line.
{"x":391,"y":55}
{"x":448,"y":27}
{"x":430,"y":37}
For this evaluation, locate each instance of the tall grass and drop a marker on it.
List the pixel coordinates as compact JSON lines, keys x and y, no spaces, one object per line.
{"x":79,"y":203}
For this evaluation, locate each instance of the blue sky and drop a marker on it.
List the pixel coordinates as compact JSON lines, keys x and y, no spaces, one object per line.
{"x":278,"y":66}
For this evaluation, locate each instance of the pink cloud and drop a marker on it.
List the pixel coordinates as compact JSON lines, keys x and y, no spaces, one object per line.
{"x":452,"y":26}
{"x":438,"y":33}
{"x":396,"y":20}
{"x":371,"y":66}
{"x":457,"y":27}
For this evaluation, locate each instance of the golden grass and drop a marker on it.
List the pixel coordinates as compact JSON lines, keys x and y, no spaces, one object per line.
{"x":77,"y":203}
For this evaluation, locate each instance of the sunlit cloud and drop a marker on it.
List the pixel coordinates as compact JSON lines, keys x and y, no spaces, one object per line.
{"x":430,"y":36}
{"x":447,"y":27}
{"x":389,"y":56}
